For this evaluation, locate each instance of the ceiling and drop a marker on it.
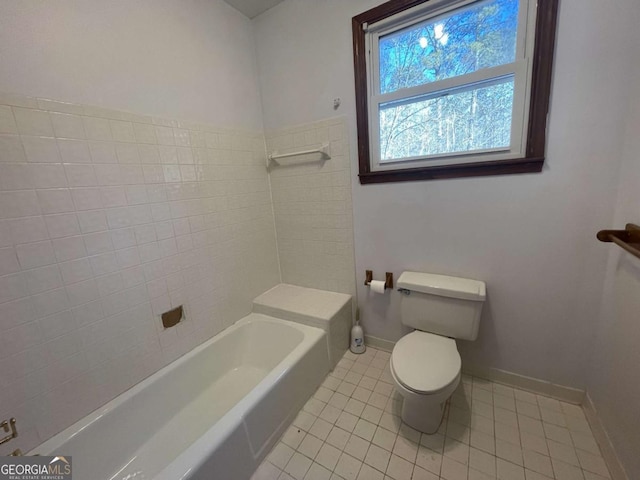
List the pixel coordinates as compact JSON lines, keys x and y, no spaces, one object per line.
{"x":253,"y":8}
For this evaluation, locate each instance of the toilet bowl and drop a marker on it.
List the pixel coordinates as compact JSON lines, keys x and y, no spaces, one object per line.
{"x":426,"y":370}
{"x":425,"y":364}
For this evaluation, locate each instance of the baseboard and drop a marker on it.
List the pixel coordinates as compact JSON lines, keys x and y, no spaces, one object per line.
{"x":380,"y":343}
{"x":535,"y":385}
{"x":604,"y":442}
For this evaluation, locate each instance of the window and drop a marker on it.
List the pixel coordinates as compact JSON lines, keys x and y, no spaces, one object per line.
{"x":451,"y":88}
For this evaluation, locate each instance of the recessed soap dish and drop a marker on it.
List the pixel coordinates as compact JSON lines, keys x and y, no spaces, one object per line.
{"x":172,"y":317}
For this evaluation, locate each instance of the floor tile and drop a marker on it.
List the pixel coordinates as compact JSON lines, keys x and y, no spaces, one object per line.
{"x":399,"y":468}
{"x":280,"y":455}
{"x":348,"y":467}
{"x":317,"y":472}
{"x":338,"y":438}
{"x":298,"y":466}
{"x":509,"y":471}
{"x":310,"y":446}
{"x":384,"y":438}
{"x":365,"y":429}
{"x":357,"y":447}
{"x":351,"y":430}
{"x":369,"y":473}
{"x":293,"y":436}
{"x":266,"y":471}
{"x":378,"y":458}
{"x":328,"y":456}
{"x":429,"y":460}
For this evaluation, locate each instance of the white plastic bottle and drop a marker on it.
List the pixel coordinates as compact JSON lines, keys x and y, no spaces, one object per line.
{"x":357,"y":339}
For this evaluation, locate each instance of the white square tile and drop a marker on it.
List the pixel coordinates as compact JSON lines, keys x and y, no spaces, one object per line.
{"x":92,"y":221}
{"x":364,"y":429}
{"x":317,"y":472}
{"x":330,"y":413}
{"x":67,"y":126}
{"x":280,"y":455}
{"x":509,"y":471}
{"x":310,"y":446}
{"x":32,"y":122}
{"x":483,"y":441}
{"x":538,"y":463}
{"x":534,"y":442}
{"x":122,"y":131}
{"x":55,"y":201}
{"x":357,"y":447}
{"x":69,"y":248}
{"x":456,"y":450}
{"x":16,"y":177}
{"x":62,"y":225}
{"x":11,"y":149}
{"x":321,"y":429}
{"x":97,"y":128}
{"x":8,"y":261}
{"x":7,"y":122}
{"x":19,"y":204}
{"x":41,"y":149}
{"x":81,"y":175}
{"x":509,"y":452}
{"x":593,"y":463}
{"x":103,"y":152}
{"x":338,"y":438}
{"x":399,"y":468}
{"x":384,"y":438}
{"x":328,"y":456}
{"x":144,"y":133}
{"x":369,"y":473}
{"x":347,"y":421}
{"x":434,"y":442}
{"x":32,"y":255}
{"x":86,"y":198}
{"x":348,"y":467}
{"x":42,"y":279}
{"x":73,"y":151}
{"x":429,"y":460}
{"x":48,"y":175}
{"x":75,"y":271}
{"x":564,"y":471}
{"x":378,"y":458}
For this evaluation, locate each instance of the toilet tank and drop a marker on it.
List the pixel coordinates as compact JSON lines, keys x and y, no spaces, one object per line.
{"x":443,"y":305}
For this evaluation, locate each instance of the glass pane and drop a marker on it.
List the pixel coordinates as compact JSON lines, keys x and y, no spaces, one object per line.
{"x":460,"y":42}
{"x":477,"y":118}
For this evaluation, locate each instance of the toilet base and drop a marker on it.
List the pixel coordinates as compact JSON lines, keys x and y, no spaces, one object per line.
{"x":424,"y":411}
{"x":423,"y":416}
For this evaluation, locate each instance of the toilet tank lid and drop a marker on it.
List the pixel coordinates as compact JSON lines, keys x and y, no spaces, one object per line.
{"x":443,"y":285}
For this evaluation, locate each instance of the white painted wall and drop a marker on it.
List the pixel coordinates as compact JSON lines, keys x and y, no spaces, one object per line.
{"x":530,"y":237}
{"x":190,"y":59}
{"x":613,"y":385}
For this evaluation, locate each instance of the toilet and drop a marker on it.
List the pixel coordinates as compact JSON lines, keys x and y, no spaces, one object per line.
{"x":425,"y":364}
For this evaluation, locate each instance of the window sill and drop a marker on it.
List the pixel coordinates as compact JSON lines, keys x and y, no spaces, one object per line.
{"x":502,"y":167}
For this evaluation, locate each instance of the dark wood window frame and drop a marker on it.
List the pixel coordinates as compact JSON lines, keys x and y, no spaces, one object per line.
{"x":533,"y":161}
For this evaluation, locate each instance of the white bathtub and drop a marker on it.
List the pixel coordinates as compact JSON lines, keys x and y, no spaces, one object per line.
{"x":212,"y":414}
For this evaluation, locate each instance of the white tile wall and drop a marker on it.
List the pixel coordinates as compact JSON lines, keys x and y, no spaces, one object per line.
{"x":312,"y":206}
{"x":107,"y":219}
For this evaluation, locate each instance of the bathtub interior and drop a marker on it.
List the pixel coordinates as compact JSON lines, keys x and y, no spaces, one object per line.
{"x":165,"y":417}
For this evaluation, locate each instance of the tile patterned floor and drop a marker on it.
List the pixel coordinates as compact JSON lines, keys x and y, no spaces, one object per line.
{"x":351,"y":430}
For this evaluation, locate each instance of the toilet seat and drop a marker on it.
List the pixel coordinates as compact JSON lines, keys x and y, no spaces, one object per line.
{"x":425,"y":363}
